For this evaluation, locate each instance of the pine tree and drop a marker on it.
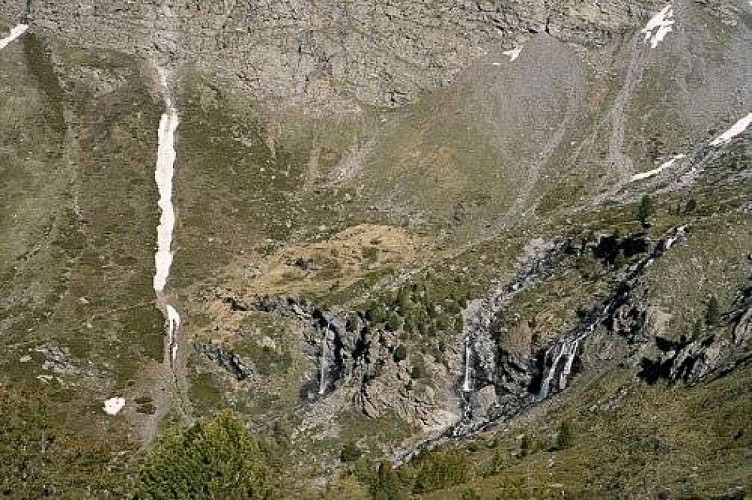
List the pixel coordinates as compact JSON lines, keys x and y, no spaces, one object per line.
{"x":565,"y":436}
{"x":713,"y":312}
{"x":644,"y":210}
{"x":697,"y":330}
{"x":214,"y":459}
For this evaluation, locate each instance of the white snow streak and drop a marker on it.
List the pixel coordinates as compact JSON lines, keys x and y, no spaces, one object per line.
{"x":513,"y":54}
{"x":735,"y":130}
{"x":173,"y":323}
{"x":659,"y":26}
{"x":163,"y":175}
{"x":14,"y":33}
{"x":113,"y":405}
{"x":651,"y":173}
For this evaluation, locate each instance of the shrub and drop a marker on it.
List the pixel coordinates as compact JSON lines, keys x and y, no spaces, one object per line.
{"x":214,"y":459}
{"x":400,"y":353}
{"x":387,"y":484}
{"x":697,"y":330}
{"x":691,"y":205}
{"x":393,"y":322}
{"x":565,"y":436}
{"x":370,"y":253}
{"x":470,"y":494}
{"x":442,"y":469}
{"x":350,"y":452}
{"x":525,"y":446}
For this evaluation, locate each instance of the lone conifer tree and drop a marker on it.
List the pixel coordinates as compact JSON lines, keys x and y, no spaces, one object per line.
{"x":645,"y":210}
{"x":713,"y":312}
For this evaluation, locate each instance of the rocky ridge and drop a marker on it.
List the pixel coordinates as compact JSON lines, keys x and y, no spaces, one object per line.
{"x":383,"y":53}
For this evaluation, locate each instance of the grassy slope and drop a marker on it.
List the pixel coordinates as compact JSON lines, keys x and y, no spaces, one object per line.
{"x":76,"y":263}
{"x":629,"y":439}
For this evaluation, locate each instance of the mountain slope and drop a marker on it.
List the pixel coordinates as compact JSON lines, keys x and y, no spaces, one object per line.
{"x":397,"y":226}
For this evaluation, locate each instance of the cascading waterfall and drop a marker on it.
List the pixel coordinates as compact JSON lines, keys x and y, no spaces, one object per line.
{"x":478,"y":315}
{"x":564,"y":376}
{"x":323,"y":363}
{"x":557,"y":374}
{"x":163,"y":175}
{"x":562,"y":354}
{"x":467,"y":384}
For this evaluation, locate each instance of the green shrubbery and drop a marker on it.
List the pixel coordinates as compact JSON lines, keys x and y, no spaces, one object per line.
{"x":415,"y":310}
{"x":41,"y":456}
{"x":565,"y":436}
{"x":214,"y":459}
{"x":442,"y":469}
{"x":350,"y":452}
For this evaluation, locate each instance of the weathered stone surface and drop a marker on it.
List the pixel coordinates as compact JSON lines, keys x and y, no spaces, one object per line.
{"x":228,"y":361}
{"x":383,"y":53}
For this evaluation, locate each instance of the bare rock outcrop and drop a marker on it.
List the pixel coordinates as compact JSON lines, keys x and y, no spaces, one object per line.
{"x":381,"y":53}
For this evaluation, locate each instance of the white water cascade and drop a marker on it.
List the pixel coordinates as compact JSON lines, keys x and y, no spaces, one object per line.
{"x":323,"y":363}
{"x":467,"y":383}
{"x":16,"y":32}
{"x":566,"y":351}
{"x":163,"y":175}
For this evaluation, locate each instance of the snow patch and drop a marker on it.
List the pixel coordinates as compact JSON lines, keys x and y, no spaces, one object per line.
{"x":650,"y":173}
{"x":14,"y":33}
{"x":113,"y":406}
{"x":163,"y":175}
{"x":513,"y":54}
{"x":173,"y":323}
{"x":736,"y":129}
{"x":659,"y":26}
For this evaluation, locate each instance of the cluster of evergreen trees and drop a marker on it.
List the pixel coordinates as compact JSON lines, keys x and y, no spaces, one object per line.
{"x":214,"y":459}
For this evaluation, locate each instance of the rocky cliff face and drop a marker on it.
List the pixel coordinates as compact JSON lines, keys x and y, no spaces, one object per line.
{"x":382,"y":53}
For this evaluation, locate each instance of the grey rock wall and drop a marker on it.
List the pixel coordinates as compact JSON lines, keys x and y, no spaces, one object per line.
{"x":379,"y":52}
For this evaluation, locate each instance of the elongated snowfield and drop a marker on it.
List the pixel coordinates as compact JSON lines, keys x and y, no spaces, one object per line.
{"x":736,"y":129}
{"x":654,"y":172}
{"x":14,"y":33}
{"x":163,"y":175}
{"x":659,"y":26}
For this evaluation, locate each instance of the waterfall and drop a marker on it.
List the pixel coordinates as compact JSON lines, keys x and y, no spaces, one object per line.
{"x":14,"y":34}
{"x":571,"y":352}
{"x":163,"y":176}
{"x":567,"y":351}
{"x":544,"y":389}
{"x":323,"y":363}
{"x":467,"y":382}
